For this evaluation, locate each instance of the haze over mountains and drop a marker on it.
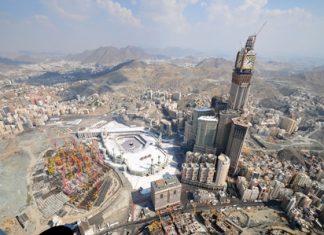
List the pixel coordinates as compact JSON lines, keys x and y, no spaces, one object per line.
{"x":112,"y":55}
{"x":170,"y":67}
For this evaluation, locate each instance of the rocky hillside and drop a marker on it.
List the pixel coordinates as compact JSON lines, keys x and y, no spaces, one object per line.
{"x":111,"y":55}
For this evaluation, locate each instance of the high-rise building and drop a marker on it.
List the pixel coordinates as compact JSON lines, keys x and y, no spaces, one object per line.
{"x":276,"y":187}
{"x":191,"y":125}
{"x":198,"y":112}
{"x":190,"y":171}
{"x":236,"y":139}
{"x":206,"y":133}
{"x":242,"y":74}
{"x":165,"y":192}
{"x":299,"y":198}
{"x":206,"y":172}
{"x":218,"y":104}
{"x":288,"y":124}
{"x":291,"y":204}
{"x":301,"y":180}
{"x":189,"y":138}
{"x":223,"y":129}
{"x":223,"y":165}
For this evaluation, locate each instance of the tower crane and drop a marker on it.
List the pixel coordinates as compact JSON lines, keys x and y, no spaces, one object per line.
{"x":261,"y":28}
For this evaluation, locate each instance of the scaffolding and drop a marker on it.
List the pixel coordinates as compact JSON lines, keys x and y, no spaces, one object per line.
{"x":79,"y":168}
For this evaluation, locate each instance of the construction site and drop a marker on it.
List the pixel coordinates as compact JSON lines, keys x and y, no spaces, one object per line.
{"x":211,"y":221}
{"x":230,"y":220}
{"x":72,"y":176}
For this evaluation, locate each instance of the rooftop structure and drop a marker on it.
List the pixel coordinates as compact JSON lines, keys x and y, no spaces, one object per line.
{"x":165,"y":192}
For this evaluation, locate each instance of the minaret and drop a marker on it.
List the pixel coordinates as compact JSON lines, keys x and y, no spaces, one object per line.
{"x":242,"y":74}
{"x":152,"y":166}
{"x":159,"y":140}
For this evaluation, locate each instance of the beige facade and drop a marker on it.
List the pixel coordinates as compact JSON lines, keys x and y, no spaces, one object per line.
{"x":236,"y":139}
{"x":206,"y":134}
{"x":288,"y":124}
{"x":165,"y":192}
{"x":223,"y":165}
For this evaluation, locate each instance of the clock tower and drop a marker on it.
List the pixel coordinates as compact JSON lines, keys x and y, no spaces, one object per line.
{"x":242,"y":75}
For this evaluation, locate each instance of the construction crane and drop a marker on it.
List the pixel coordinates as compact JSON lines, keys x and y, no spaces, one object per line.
{"x":261,"y":28}
{"x":159,"y":215}
{"x":156,"y":225}
{"x":161,"y":220}
{"x":220,"y":218}
{"x":216,"y":213}
{"x":172,"y":214}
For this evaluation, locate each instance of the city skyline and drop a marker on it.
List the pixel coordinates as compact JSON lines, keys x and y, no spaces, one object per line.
{"x":212,"y":27}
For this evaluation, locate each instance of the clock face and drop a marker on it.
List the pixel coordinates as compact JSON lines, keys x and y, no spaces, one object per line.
{"x":239,"y":59}
{"x":248,"y":62}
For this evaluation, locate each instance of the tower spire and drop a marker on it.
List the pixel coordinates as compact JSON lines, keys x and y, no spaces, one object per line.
{"x":242,"y":75}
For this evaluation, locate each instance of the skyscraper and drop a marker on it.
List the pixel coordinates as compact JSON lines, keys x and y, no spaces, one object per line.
{"x":223,"y":129}
{"x":223,"y":165}
{"x":218,"y":104}
{"x":206,"y":134}
{"x":242,"y":74}
{"x":198,"y":112}
{"x":235,"y":142}
{"x":191,"y":126}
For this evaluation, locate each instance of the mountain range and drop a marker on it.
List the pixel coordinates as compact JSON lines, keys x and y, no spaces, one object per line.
{"x":148,"y":68}
{"x":114,"y":55}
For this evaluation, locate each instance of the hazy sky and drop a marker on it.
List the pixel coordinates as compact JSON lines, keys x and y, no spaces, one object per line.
{"x":294,"y":27}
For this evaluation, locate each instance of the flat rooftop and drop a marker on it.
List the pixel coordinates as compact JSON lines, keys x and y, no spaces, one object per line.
{"x":225,"y":159}
{"x":208,"y":118}
{"x":241,"y":122}
{"x":165,"y":183}
{"x":203,"y":109}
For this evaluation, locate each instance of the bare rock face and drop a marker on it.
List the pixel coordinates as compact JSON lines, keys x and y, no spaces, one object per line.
{"x":292,"y":155}
{"x":111,"y":55}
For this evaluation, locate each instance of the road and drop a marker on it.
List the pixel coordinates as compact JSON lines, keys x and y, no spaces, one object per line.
{"x":296,"y":141}
{"x":199,"y":208}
